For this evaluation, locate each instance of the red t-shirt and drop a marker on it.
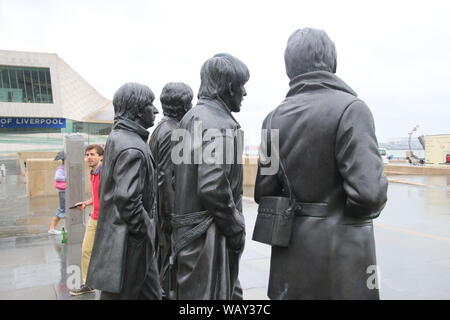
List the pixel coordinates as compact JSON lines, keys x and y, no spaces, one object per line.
{"x":95,"y":185}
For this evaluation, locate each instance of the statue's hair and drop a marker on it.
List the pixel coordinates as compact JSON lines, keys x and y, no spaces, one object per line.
{"x":175,"y":98}
{"x":309,"y":50}
{"x":219,"y":72}
{"x":130,"y":100}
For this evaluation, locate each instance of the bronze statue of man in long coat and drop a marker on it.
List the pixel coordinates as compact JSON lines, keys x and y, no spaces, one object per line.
{"x":208,"y":224}
{"x":328,"y":147}
{"x":123,"y":263}
{"x":176,"y":100}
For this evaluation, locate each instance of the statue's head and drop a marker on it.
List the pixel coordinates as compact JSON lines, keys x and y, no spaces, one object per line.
{"x":224,"y":76}
{"x":134,"y":101}
{"x":176,"y":99}
{"x":309,"y":50}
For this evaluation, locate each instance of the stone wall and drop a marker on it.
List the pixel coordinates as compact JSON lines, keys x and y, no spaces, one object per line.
{"x":417,"y":169}
{"x":25,"y":155}
{"x":40,"y":174}
{"x":250,"y":168}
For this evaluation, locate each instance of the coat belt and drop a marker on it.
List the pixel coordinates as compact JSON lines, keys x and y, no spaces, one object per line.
{"x":318,"y":209}
{"x":201,"y":219}
{"x":188,"y":219}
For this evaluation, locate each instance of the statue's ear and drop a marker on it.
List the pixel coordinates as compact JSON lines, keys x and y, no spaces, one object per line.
{"x":138,"y":114}
{"x":230,"y":89}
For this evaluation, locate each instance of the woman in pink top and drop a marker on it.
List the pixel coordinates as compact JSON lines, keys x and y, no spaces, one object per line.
{"x":60,"y":185}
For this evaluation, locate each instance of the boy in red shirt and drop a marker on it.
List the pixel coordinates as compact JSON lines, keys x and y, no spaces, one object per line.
{"x":94,"y":157}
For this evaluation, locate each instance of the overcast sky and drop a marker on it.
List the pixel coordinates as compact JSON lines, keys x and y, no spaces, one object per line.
{"x":394,"y":54}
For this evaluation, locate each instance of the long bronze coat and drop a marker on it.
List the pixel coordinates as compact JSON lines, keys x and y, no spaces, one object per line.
{"x":161,"y":147}
{"x":208,"y":209}
{"x":328,"y":144}
{"x":122,"y":256}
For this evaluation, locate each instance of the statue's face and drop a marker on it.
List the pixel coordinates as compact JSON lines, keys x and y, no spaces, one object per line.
{"x":236,"y":96}
{"x":149,"y":115}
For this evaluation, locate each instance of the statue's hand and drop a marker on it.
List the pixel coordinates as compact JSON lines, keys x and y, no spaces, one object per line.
{"x":236,"y":242}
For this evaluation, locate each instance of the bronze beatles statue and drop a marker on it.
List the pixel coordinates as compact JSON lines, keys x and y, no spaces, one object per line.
{"x":328,"y":147}
{"x":208,"y":224}
{"x":123,"y":265}
{"x":327,"y":165}
{"x":176,"y":100}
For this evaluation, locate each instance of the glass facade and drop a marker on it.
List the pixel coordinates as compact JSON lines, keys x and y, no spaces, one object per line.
{"x":25,"y":84}
{"x":50,"y":139}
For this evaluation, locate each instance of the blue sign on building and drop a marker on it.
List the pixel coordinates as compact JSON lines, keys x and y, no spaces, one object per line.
{"x":10,"y":122}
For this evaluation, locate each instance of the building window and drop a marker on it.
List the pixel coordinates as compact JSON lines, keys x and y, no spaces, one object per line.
{"x":25,"y":84}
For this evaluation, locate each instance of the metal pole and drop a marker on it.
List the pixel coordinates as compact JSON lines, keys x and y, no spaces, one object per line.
{"x":74,"y":149}
{"x":75,"y":192}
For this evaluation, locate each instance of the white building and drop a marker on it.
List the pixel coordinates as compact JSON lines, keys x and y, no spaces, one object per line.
{"x":42,"y":98}
{"x":437,"y":149}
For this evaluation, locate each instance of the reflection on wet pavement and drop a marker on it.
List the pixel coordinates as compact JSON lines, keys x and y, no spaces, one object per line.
{"x":35,"y":268}
{"x":423,"y":208}
{"x":20,"y":215}
{"x":413,"y":239}
{"x":32,"y":262}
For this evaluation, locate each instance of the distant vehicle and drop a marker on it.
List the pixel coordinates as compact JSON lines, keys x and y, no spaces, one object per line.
{"x":384,"y":155}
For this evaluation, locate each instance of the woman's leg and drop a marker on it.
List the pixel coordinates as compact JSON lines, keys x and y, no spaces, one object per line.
{"x":61,"y":211}
{"x":54,"y":224}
